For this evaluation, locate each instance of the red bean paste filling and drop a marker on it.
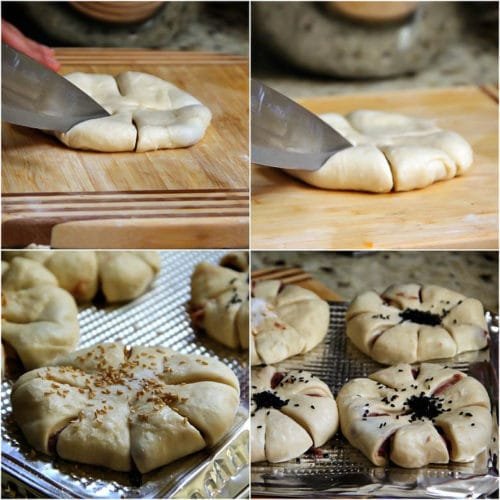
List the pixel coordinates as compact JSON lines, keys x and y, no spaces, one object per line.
{"x":266,"y":399}
{"x":420,"y":317}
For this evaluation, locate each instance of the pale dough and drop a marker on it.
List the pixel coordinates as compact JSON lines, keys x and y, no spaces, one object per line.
{"x":412,"y":322}
{"x":291,"y":411}
{"x":219,"y":299}
{"x":286,"y":321}
{"x":416,"y":416}
{"x":120,"y":408}
{"x":39,"y":319}
{"x":390,"y":152}
{"x":122,"y":275}
{"x":147,"y":113}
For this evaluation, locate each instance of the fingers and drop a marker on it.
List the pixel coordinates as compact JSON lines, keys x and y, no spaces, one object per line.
{"x":44,"y":55}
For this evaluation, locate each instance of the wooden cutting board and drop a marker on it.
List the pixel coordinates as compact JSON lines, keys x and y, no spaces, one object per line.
{"x":192,"y":197}
{"x":460,"y":213}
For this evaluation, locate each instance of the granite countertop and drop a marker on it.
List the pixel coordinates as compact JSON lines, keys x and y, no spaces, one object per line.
{"x":474,"y":274}
{"x":470,"y":58}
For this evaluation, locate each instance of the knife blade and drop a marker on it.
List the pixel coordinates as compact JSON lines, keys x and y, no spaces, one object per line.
{"x":287,"y":135}
{"x":37,"y":97}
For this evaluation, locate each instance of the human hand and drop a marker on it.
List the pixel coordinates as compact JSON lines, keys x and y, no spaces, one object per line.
{"x":44,"y":55}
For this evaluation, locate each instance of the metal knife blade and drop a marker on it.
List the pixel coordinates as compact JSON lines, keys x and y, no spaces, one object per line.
{"x":36,"y":97}
{"x":286,"y":135}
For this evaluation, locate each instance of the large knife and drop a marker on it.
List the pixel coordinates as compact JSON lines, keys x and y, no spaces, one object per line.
{"x":37,"y":97}
{"x":286,"y":135}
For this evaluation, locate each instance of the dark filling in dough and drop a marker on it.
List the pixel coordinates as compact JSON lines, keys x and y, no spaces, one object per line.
{"x":266,"y":399}
{"x":424,"y":407}
{"x":420,"y":317}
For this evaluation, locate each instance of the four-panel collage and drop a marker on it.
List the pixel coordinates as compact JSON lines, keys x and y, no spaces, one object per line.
{"x":249,"y":249}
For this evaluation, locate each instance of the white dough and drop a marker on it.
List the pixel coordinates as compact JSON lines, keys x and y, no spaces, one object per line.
{"x":390,"y":152}
{"x":147,"y":113}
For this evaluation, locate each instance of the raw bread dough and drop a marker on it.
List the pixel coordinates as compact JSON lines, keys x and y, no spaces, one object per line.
{"x":219,"y":299}
{"x":291,"y":411}
{"x":409,"y":414}
{"x":286,"y":321}
{"x":39,"y":319}
{"x":391,"y":152}
{"x":122,"y":275}
{"x":147,"y":113}
{"x":116,"y":407}
{"x":412,"y":322}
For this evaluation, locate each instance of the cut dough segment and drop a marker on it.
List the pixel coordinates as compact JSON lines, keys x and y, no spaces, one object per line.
{"x":412,"y":322}
{"x":400,"y":412}
{"x":291,"y":411}
{"x":390,"y":151}
{"x":147,"y":113}
{"x":219,"y":300}
{"x":99,"y":406}
{"x":285,"y":321}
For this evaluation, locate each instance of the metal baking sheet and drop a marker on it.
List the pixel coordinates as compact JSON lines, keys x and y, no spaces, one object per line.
{"x":159,"y":317}
{"x":338,"y":469}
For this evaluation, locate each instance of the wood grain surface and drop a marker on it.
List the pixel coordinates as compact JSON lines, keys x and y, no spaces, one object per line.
{"x":35,"y":163}
{"x":460,"y":213}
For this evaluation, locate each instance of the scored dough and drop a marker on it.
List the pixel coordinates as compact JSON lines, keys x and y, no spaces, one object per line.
{"x":412,"y":322}
{"x":147,"y":113}
{"x":291,"y":410}
{"x":122,"y":275}
{"x":117,"y":408}
{"x":391,"y":152}
{"x":219,"y":299}
{"x":286,"y":321}
{"x":416,"y":415}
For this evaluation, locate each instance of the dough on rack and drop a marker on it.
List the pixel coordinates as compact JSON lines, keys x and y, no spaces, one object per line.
{"x":412,"y":322}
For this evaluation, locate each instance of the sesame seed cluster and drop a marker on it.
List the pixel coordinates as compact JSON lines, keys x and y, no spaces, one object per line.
{"x":411,"y":323}
{"x":286,"y":321}
{"x":126,"y":408}
{"x":416,"y":415}
{"x":219,"y":300}
{"x":291,"y":411}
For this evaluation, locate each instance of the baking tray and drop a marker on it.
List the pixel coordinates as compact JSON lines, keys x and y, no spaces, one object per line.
{"x":338,"y":469}
{"x":159,"y":317}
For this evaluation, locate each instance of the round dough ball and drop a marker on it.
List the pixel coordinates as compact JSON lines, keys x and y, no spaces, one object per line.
{"x":119,"y":408}
{"x":126,"y":275}
{"x":290,"y":412}
{"x":286,"y":321}
{"x":411,"y":322}
{"x":390,"y":152}
{"x":415,"y":416}
{"x":219,"y":300}
{"x":147,"y":113}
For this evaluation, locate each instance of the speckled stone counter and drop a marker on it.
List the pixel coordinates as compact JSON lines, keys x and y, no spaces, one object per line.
{"x":474,"y":274}
{"x":469,"y":58}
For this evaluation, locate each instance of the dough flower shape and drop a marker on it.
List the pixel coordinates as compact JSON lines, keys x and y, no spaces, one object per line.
{"x":286,"y":321}
{"x":118,"y":407}
{"x":291,"y":411}
{"x":122,"y":275}
{"x":412,"y":322}
{"x":147,"y":113}
{"x":219,"y":300}
{"x":416,"y":416}
{"x":390,"y":152}
{"x":39,"y":319}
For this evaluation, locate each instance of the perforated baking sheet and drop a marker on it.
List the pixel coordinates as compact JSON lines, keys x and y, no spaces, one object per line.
{"x":338,"y":469}
{"x":159,"y":317}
